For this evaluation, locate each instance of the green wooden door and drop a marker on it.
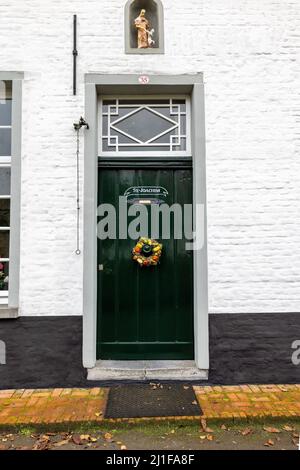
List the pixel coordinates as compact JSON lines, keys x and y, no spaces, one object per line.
{"x":145,"y":313}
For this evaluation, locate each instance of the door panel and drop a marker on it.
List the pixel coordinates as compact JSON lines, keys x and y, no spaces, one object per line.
{"x":145,"y":313}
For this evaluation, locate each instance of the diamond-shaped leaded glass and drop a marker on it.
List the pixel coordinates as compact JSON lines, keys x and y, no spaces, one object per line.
{"x":149,"y":125}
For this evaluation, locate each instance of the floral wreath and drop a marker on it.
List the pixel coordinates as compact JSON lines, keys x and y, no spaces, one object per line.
{"x":147,"y":252}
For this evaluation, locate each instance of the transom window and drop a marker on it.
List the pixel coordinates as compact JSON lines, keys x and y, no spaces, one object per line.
{"x":156,"y":126}
{"x":5,"y":191}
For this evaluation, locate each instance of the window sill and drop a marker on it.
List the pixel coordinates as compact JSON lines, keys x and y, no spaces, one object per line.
{"x":150,"y":50}
{"x":7,"y":312}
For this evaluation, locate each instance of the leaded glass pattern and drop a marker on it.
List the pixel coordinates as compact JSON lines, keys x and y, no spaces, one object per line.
{"x":142,"y":126}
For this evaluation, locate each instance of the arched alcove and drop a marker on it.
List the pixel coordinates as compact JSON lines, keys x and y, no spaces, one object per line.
{"x":154,"y":15}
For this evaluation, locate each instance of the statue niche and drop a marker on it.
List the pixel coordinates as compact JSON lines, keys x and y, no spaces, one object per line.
{"x":144,"y":26}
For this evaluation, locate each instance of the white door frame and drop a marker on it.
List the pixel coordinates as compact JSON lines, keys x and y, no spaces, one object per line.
{"x":95,"y":85}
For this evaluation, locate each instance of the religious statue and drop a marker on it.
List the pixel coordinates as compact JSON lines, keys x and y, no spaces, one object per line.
{"x":145,"y":34}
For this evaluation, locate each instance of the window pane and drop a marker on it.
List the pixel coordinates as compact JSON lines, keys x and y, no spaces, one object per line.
{"x":4,"y":212}
{"x":5,"y":142}
{"x":5,"y":89}
{"x":5,"y":112}
{"x":143,"y":101}
{"x":145,"y":149}
{"x":4,"y":181}
{"x":5,"y":173}
{"x":5,"y":102}
{"x":4,"y":244}
{"x":145,"y":125}
{"x":3,"y":275}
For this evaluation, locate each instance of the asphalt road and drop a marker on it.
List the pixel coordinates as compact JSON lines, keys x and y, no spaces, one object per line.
{"x":275,"y":436}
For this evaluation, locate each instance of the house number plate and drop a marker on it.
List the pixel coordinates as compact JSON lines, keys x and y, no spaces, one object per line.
{"x":144,"y":79}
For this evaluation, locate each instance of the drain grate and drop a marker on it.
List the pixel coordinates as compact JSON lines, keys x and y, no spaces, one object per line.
{"x":149,"y":401}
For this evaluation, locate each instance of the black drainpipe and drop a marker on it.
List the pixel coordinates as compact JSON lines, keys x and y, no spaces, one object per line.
{"x":75,"y":53}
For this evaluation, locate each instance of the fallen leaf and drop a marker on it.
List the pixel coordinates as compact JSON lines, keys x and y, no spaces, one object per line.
{"x":223,"y":427}
{"x":98,"y":414}
{"x":154,"y":386}
{"x":76,"y":439}
{"x":41,"y":445}
{"x":186,"y":387}
{"x":209,"y":437}
{"x":123,"y":447}
{"x":85,"y":437}
{"x":93,"y":439}
{"x":61,"y":443}
{"x":108,"y":436}
{"x":269,"y":443}
{"x":246,"y":431}
{"x":173,"y":431}
{"x":194,"y":402}
{"x":202,"y":437}
{"x":272,"y":430}
{"x":203,"y":423}
{"x":288,"y":428}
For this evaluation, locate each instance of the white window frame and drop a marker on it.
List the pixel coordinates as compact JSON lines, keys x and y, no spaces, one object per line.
{"x":4,"y":293}
{"x":5,"y":162}
{"x":9,"y":300}
{"x":143,"y":153}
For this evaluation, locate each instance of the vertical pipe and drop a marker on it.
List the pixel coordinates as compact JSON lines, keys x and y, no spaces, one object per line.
{"x":75,"y":53}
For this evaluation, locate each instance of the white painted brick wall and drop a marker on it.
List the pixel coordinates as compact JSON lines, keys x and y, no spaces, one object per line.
{"x":249,"y":53}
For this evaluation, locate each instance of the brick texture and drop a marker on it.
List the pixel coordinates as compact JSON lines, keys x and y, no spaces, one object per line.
{"x":249,"y":53}
{"x":88,"y":405}
{"x":253,"y":401}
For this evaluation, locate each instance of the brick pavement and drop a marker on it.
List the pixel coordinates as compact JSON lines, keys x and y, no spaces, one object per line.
{"x":60,"y":405}
{"x":249,"y":401}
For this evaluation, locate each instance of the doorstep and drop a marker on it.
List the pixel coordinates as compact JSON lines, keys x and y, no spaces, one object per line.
{"x":147,"y":370}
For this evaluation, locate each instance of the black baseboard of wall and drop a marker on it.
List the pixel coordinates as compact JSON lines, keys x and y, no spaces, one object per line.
{"x":253,"y":348}
{"x":42,"y":352}
{"x":46,"y":352}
